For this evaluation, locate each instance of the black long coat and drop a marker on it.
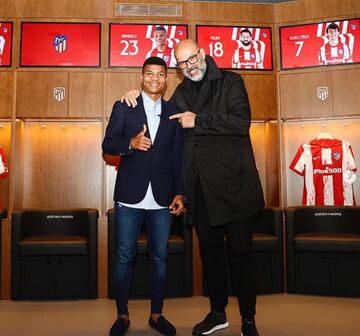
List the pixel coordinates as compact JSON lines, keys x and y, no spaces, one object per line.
{"x":218,"y":149}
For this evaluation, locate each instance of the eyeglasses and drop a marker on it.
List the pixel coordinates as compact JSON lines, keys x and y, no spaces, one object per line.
{"x":191,"y":60}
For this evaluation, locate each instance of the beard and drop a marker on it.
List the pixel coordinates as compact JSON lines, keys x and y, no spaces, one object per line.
{"x":245,"y":43}
{"x":199,"y":75}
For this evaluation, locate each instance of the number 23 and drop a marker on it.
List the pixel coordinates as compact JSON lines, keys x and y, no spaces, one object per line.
{"x":130,"y":47}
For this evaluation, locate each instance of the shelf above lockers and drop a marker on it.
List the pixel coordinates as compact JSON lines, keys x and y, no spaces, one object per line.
{"x":261,"y":90}
{"x":6,"y":96}
{"x":59,"y":94}
{"x":320,"y":94}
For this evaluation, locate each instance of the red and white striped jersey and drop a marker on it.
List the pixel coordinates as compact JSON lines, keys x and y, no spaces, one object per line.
{"x":247,"y":59}
{"x":3,"y":169}
{"x":334,"y":54}
{"x":167,"y":55}
{"x":328,"y":167}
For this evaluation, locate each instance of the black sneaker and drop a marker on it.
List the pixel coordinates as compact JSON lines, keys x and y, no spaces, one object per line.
{"x":212,"y":322}
{"x":248,"y":327}
{"x":163,"y":326}
{"x":120,"y":327}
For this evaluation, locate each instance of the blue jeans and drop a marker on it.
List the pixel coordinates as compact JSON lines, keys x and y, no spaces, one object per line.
{"x":128,"y":224}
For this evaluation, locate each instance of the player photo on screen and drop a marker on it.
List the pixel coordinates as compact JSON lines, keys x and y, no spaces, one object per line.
{"x":319,"y":44}
{"x":131,"y":44}
{"x":247,"y":48}
{"x":5,"y":43}
{"x":61,"y":44}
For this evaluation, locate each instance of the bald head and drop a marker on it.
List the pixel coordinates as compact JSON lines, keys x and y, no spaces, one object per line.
{"x":191,"y":60}
{"x":186,"y":45}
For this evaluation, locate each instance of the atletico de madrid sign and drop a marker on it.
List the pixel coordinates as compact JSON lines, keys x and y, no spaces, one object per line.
{"x":59,"y":93}
{"x":322,"y":92}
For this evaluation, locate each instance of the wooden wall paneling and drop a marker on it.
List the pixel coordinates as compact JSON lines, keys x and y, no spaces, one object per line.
{"x":117,"y":84}
{"x":85,"y":94}
{"x":272,"y":161}
{"x":346,"y":88}
{"x":174,"y":79}
{"x":17,"y":171}
{"x":62,"y":164}
{"x":6,"y":96}
{"x":8,"y":8}
{"x":59,"y":9}
{"x":35,"y":95}
{"x":203,"y":12}
{"x":262,"y":95}
{"x":298,"y":95}
{"x":5,"y":143}
{"x":315,"y":10}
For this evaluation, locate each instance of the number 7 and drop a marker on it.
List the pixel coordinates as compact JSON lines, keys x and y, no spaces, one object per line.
{"x":300,"y":43}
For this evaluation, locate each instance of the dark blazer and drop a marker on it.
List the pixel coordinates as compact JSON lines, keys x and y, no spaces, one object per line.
{"x":161,"y":164}
{"x":218,"y":149}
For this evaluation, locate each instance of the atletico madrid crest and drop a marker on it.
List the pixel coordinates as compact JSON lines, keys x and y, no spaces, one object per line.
{"x":337,"y":155}
{"x":60,"y":43}
{"x":322,"y":92}
{"x":59,"y":93}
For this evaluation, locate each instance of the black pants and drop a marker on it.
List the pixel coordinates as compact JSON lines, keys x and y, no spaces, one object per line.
{"x":239,"y":254}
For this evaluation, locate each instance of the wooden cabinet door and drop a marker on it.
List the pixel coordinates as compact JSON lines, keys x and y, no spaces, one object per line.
{"x":85,"y":94}
{"x":261,"y":90}
{"x":42,"y":95}
{"x":6,"y":89}
{"x":346,"y":88}
{"x":119,"y":83}
{"x":298,"y":95}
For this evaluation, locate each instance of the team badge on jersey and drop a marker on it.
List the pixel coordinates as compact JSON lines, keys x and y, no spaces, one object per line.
{"x":60,"y":43}
{"x":337,"y":155}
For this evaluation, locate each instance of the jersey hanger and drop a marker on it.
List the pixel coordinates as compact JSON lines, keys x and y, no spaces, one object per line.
{"x":324,"y":135}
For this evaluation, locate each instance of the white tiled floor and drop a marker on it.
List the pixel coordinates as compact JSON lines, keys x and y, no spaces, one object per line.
{"x":277,"y":315}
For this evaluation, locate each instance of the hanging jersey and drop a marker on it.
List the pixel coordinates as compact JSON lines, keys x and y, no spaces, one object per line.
{"x":247,"y":59}
{"x":334,"y":54}
{"x":328,"y":167}
{"x":167,"y":55}
{"x":3,"y":169}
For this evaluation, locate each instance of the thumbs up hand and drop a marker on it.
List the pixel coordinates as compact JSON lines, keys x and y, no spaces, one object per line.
{"x":140,"y":141}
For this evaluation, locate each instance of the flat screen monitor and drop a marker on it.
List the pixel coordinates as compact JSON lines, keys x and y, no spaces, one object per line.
{"x":320,"y":44}
{"x":241,"y":47}
{"x":131,"y":44}
{"x":6,"y":30}
{"x":60,"y":44}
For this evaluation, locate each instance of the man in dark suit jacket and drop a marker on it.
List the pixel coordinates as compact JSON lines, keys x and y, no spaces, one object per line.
{"x":149,"y":188}
{"x":223,"y":189}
